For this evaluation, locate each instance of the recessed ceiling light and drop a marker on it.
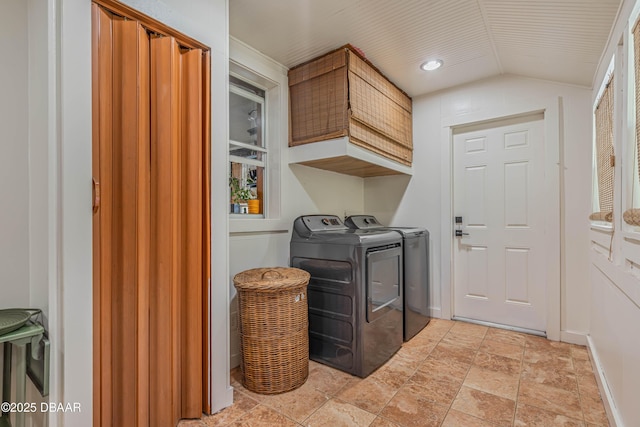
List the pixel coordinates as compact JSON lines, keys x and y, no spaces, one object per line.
{"x":434,"y":64}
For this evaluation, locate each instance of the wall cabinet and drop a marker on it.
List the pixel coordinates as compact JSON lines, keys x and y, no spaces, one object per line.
{"x":342,"y":95}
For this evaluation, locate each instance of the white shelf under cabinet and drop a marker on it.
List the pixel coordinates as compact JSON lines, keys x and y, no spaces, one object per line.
{"x":340,"y":155}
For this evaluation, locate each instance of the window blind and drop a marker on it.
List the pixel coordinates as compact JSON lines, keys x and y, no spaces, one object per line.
{"x":632,"y":216}
{"x":604,"y":154}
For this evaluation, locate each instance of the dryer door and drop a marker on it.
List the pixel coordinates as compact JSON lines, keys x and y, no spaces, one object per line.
{"x":384,"y":276}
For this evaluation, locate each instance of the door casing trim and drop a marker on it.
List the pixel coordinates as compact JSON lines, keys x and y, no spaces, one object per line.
{"x":553,"y":162}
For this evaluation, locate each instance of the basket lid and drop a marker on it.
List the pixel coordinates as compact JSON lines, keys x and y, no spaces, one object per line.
{"x":13,"y":318}
{"x":271,"y":279}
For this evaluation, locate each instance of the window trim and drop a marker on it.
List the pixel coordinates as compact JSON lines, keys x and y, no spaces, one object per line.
{"x":250,"y":65}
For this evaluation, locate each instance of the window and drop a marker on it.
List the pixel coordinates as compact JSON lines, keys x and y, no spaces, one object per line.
{"x":604,"y":158}
{"x":247,"y":147}
{"x":258,"y":123}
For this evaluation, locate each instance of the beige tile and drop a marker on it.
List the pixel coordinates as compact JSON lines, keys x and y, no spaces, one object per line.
{"x":297,"y":404}
{"x":498,"y":383}
{"x":241,"y":405}
{"x":530,"y":416}
{"x":593,"y":410}
{"x":369,"y":394}
{"x":438,"y":390}
{"x":336,"y":413}
{"x":579,"y":352}
{"x":550,"y":375}
{"x":191,"y":423}
{"x":236,"y":383}
{"x":583,"y":367}
{"x":444,"y":368}
{"x":448,"y":350}
{"x":452,"y":374}
{"x":382,"y":422}
{"x":410,"y":408}
{"x":395,"y":372}
{"x":414,"y":354}
{"x":439,"y":325}
{"x":462,"y":339}
{"x":417,"y":352}
{"x":587,"y":385}
{"x":424,"y":342}
{"x":548,"y":359}
{"x":261,"y":416}
{"x":512,"y":351}
{"x":460,"y":419}
{"x":327,"y":379}
{"x":469,"y":329}
{"x":550,"y":398}
{"x":485,"y":406}
{"x":542,"y":344}
{"x":497,"y":363}
{"x":504,"y":336}
{"x":426,"y":337}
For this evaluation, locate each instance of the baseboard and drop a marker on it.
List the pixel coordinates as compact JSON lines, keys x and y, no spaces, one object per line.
{"x":573,"y":337}
{"x":436,"y":313}
{"x":234,"y":360}
{"x":607,"y":398}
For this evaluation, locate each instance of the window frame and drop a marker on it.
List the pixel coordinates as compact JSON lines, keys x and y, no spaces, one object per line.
{"x":264,"y":73}
{"x":264,"y":163}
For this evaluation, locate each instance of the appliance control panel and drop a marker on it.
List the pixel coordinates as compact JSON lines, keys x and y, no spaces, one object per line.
{"x":323,"y":222}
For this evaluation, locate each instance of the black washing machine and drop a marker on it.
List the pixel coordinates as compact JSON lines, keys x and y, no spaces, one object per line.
{"x":354,"y":294}
{"x":416,"y":270}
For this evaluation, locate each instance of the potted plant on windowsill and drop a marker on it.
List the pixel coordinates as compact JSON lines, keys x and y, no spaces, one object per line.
{"x":239,"y":196}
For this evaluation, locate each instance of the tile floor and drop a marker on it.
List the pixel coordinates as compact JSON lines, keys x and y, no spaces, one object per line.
{"x":452,"y":374}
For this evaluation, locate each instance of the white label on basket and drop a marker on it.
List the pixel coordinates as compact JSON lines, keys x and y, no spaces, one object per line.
{"x":298,"y":298}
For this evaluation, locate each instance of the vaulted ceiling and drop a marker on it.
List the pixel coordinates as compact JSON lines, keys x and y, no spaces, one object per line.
{"x":558,"y":40}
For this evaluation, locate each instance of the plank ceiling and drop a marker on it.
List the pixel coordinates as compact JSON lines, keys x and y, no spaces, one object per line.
{"x":558,"y":40}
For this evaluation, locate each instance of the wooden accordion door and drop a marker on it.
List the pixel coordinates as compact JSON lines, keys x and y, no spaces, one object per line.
{"x":150,"y":220}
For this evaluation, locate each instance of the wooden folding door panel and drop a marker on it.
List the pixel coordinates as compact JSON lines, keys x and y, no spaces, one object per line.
{"x":121,"y":226}
{"x":177,"y":227}
{"x":165,"y":226}
{"x":206,"y":224}
{"x":192,"y":231}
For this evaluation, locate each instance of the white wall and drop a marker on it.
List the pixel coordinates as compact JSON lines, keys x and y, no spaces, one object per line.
{"x":305,"y":191}
{"x":615,"y":282}
{"x":419,"y":202}
{"x":24,"y":189}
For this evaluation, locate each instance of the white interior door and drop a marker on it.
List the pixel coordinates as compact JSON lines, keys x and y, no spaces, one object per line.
{"x":499,"y":267}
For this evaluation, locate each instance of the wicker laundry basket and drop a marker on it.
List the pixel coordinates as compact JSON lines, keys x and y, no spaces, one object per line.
{"x":274,"y":337}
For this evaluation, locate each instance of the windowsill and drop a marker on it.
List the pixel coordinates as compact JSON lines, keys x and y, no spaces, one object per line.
{"x":243,"y":223}
{"x":245,"y":216}
{"x":602,"y":228}
{"x":630,"y":234}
